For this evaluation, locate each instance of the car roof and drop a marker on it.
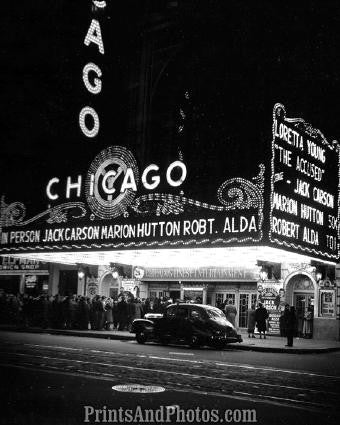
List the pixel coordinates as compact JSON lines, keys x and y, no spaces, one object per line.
{"x":190,"y":305}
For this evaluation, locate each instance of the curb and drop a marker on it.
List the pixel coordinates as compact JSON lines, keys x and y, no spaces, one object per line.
{"x":293,"y":350}
{"x":115,"y":336}
{"x":71,"y":333}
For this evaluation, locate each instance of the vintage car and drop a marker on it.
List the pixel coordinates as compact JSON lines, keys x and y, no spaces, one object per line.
{"x":192,"y":324}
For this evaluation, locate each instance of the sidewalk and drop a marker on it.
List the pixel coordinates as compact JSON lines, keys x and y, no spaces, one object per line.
{"x":272,"y":344}
{"x":276,"y":344}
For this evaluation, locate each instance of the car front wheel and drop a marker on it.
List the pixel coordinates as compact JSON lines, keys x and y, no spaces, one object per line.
{"x":194,"y":341}
{"x":140,"y":337}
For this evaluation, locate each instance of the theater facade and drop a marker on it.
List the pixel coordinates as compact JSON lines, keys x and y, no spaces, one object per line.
{"x":174,"y":214}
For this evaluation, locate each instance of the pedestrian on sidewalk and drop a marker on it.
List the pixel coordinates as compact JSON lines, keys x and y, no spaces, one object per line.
{"x":83,"y":314}
{"x":101,"y":313}
{"x":122,"y":310}
{"x":230,"y":312}
{"x":261,"y":316}
{"x":283,"y":321}
{"x":131,"y":313}
{"x":115,"y":314}
{"x":139,"y":309}
{"x":251,"y":322}
{"x":108,"y":306}
{"x":290,"y":325}
{"x":308,"y":323}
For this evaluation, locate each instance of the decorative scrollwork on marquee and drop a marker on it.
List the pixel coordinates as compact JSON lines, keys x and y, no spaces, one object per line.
{"x":305,"y":127}
{"x":14,"y":214}
{"x":235,"y":193}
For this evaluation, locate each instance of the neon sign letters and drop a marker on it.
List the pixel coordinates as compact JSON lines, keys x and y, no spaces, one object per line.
{"x":112,"y":180}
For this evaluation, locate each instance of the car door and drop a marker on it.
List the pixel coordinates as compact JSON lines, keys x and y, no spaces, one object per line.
{"x":198,"y":320}
{"x":169,"y":323}
{"x":182,"y":327}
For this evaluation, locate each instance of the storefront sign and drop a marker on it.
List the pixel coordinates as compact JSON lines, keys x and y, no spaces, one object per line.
{"x":327,"y":303}
{"x":31,"y":281}
{"x":130,"y":285}
{"x":304,"y":188}
{"x":201,"y":274}
{"x":20,"y":265}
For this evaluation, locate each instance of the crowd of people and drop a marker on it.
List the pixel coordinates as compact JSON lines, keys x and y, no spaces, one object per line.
{"x":105,"y":313}
{"x":77,"y":312}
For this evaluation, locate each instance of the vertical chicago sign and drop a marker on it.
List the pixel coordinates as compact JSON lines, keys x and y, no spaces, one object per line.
{"x":88,"y":117}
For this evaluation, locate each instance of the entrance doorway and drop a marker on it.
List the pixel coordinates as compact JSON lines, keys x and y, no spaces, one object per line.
{"x":193,"y":295}
{"x":301,"y":293}
{"x":109,"y":286}
{"x":68,"y":282}
{"x":303,"y":303}
{"x":246,"y":301}
{"x":175,"y":295}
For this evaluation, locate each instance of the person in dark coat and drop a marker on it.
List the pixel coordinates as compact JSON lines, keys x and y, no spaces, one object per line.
{"x":93,"y":312}
{"x":72,"y":312}
{"x":283,"y":321}
{"x":122,"y":310}
{"x":108,"y":313}
{"x":131,"y":310}
{"x":115,"y":314}
{"x":45,"y":307}
{"x":96,"y":311}
{"x":100,"y":313}
{"x":261,"y":315}
{"x":55,"y":313}
{"x":290,"y":321}
{"x":139,"y":309}
{"x":65,"y":312}
{"x":251,"y":322}
{"x":83,"y":314}
{"x":146,"y":306}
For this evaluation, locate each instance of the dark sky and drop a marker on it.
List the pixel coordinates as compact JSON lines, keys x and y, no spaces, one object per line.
{"x":236,"y":59}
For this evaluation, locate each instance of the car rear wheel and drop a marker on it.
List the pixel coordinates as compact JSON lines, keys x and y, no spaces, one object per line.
{"x":219,"y":345}
{"x":164,"y":340}
{"x":140,"y":337}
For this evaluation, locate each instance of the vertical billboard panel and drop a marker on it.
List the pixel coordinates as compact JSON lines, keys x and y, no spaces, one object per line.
{"x":304,"y":214}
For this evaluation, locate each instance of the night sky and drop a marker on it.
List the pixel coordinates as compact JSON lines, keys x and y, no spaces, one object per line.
{"x":228,"y":63}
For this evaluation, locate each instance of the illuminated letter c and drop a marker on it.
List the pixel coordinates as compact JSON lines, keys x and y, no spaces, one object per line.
{"x":48,"y":189}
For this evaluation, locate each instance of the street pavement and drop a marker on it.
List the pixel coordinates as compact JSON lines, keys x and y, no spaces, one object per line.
{"x":52,"y":378}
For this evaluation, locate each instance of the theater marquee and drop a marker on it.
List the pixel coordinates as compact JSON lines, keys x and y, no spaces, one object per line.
{"x":304,"y":213}
{"x":105,"y":209}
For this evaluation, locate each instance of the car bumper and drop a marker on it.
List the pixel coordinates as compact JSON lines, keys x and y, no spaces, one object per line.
{"x":226,"y":339}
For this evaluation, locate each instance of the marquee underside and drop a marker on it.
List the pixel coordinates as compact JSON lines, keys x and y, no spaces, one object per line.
{"x":190,"y":257}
